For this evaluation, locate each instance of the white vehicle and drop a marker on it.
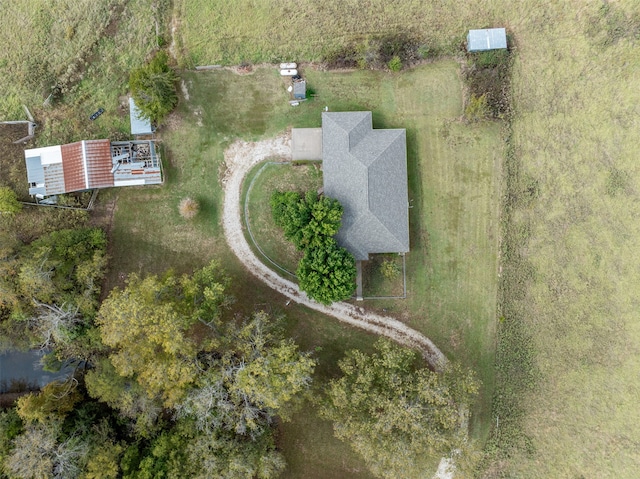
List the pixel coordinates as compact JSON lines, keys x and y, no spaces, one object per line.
{"x":289,"y":72}
{"x":288,"y":66}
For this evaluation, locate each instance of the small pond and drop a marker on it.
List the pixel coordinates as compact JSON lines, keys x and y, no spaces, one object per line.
{"x":25,"y":367}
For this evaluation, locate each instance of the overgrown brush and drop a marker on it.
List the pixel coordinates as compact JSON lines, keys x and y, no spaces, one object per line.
{"x":488,"y":75}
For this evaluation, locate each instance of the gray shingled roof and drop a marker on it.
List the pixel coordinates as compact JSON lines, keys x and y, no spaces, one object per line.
{"x":366,"y":170}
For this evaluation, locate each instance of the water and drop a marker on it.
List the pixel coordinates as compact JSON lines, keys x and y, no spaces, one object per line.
{"x":27,"y":367}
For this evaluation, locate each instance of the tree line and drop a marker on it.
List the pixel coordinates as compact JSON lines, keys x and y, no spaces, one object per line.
{"x":165,"y":387}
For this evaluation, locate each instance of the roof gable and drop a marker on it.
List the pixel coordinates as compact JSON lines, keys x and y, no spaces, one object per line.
{"x":366,"y":170}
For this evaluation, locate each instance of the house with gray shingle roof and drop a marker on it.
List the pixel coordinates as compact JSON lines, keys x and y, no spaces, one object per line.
{"x":366,"y":170}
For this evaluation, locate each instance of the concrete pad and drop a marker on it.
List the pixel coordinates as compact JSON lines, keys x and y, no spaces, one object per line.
{"x":306,"y":144}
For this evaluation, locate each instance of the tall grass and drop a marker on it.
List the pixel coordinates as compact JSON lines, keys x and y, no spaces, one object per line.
{"x":568,"y":342}
{"x":273,"y":30}
{"x":80,"y":53}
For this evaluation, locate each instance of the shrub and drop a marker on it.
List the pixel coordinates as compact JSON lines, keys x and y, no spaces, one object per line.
{"x":9,"y":204}
{"x":188,"y":208}
{"x":491,"y":58}
{"x":327,"y":273}
{"x":153,"y":88}
{"x":395,"y":64}
{"x":389,"y":269}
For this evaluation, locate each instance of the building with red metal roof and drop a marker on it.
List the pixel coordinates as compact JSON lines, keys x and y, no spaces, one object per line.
{"x":90,"y":164}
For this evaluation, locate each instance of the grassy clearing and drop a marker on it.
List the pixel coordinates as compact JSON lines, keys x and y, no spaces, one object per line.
{"x":383,"y":275}
{"x":454,"y":189}
{"x":574,"y":238}
{"x":275,"y":30}
{"x":266,"y":179}
{"x":150,"y":235}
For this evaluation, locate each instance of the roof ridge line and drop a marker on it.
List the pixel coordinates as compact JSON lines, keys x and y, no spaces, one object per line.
{"x":84,"y":164}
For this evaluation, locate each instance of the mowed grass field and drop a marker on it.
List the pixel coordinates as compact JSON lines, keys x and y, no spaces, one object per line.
{"x":149,"y":234}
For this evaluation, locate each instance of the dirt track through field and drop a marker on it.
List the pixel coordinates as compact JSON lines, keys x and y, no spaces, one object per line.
{"x":240,"y":157}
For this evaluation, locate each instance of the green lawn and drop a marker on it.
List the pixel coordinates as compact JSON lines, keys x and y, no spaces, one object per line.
{"x":149,"y":234}
{"x":262,"y":181}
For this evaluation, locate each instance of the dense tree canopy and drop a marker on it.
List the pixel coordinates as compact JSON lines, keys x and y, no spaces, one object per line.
{"x":306,"y":220}
{"x":153,"y":87}
{"x":397,"y":416}
{"x":260,"y":376}
{"x":171,"y":390}
{"x":49,"y":289}
{"x":219,"y":384}
{"x":327,"y":272}
{"x":64,"y":267}
{"x":148,"y":323}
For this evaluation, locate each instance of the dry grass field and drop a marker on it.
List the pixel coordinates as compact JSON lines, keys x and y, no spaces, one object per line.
{"x":573,"y":235}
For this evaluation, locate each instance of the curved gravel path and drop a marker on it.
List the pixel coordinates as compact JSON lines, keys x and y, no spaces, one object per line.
{"x":240,"y":157}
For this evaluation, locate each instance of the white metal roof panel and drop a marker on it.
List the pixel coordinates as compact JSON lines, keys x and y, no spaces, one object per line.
{"x":48,"y":154}
{"x":139,"y":124}
{"x":487,"y":39}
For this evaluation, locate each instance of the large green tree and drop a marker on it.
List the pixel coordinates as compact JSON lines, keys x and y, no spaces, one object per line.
{"x":327,"y":271}
{"x":306,"y":220}
{"x":395,"y":415}
{"x":148,"y":325}
{"x":153,"y":87}
{"x":64,"y":267}
{"x":49,"y":289}
{"x":259,"y":377}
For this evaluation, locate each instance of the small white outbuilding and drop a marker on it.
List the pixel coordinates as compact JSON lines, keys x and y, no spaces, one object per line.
{"x":487,"y":39}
